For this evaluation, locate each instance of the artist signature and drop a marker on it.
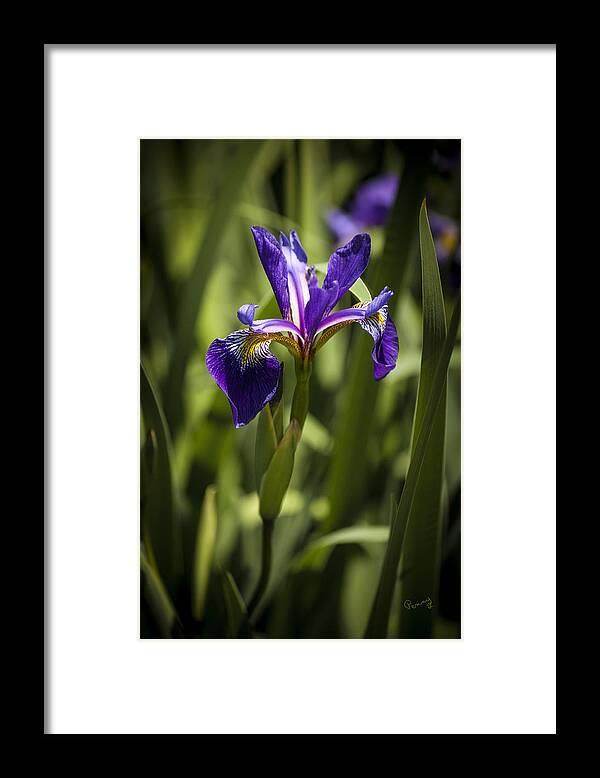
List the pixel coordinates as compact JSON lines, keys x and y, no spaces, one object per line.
{"x":410,"y":605}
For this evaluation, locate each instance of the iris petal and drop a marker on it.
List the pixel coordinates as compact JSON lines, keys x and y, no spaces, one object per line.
{"x":297,"y":246}
{"x":319,"y":302}
{"x":276,"y":325}
{"x":385,"y":351}
{"x":379,"y":301}
{"x":347,"y":264}
{"x":356,"y":313}
{"x":345,"y":316}
{"x":245,"y":371}
{"x":275,"y":266}
{"x":373,"y":317}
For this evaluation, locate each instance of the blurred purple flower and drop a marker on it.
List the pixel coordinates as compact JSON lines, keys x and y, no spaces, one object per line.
{"x":371,"y":206}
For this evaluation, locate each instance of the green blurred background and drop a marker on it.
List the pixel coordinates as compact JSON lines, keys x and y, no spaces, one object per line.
{"x":200,"y":527}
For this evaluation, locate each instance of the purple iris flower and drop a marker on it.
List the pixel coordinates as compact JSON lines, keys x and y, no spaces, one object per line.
{"x":371,"y":206}
{"x":242,"y":365}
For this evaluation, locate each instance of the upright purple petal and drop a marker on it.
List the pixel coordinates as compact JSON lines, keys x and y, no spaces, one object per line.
{"x":321,"y":300}
{"x":297,"y":246}
{"x":275,"y":266}
{"x":347,"y":264}
{"x":245,"y":371}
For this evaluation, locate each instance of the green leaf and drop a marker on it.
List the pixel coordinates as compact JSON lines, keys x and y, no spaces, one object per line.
{"x":380,"y":611}
{"x":277,"y":477}
{"x":359,"y":535}
{"x":158,"y":514}
{"x":239,"y":168}
{"x":349,"y":471}
{"x":157,"y":597}
{"x":290,"y":178}
{"x":314,"y":194}
{"x":361,"y":291}
{"x":421,"y":548}
{"x":206,"y":536}
{"x":238,"y":625}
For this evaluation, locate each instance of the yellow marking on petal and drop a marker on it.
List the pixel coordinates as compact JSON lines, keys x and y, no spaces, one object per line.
{"x":252,"y":348}
{"x":378,"y":318}
{"x":249,"y":349}
{"x":328,"y":333}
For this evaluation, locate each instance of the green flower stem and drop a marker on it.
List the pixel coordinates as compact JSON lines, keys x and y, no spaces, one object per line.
{"x":299,"y":412}
{"x":267,"y":545}
{"x":301,"y":392}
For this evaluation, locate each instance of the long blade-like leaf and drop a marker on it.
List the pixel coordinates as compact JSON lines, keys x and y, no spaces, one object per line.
{"x":378,"y":620}
{"x":317,"y":552}
{"x":158,"y":513}
{"x":206,"y":536}
{"x":157,"y":598}
{"x":421,"y":546}
{"x":238,"y":625}
{"x":348,"y":471}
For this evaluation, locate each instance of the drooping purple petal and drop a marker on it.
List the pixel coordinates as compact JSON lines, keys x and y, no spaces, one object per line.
{"x":357,"y":312}
{"x":311,"y":277}
{"x":275,"y":266}
{"x":385,"y":351}
{"x":342,"y":225}
{"x":347,"y":264}
{"x":246,"y":313}
{"x":321,"y":300}
{"x":245,"y":371}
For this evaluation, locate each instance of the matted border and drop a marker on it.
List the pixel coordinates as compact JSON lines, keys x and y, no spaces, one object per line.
{"x":500,"y":678}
